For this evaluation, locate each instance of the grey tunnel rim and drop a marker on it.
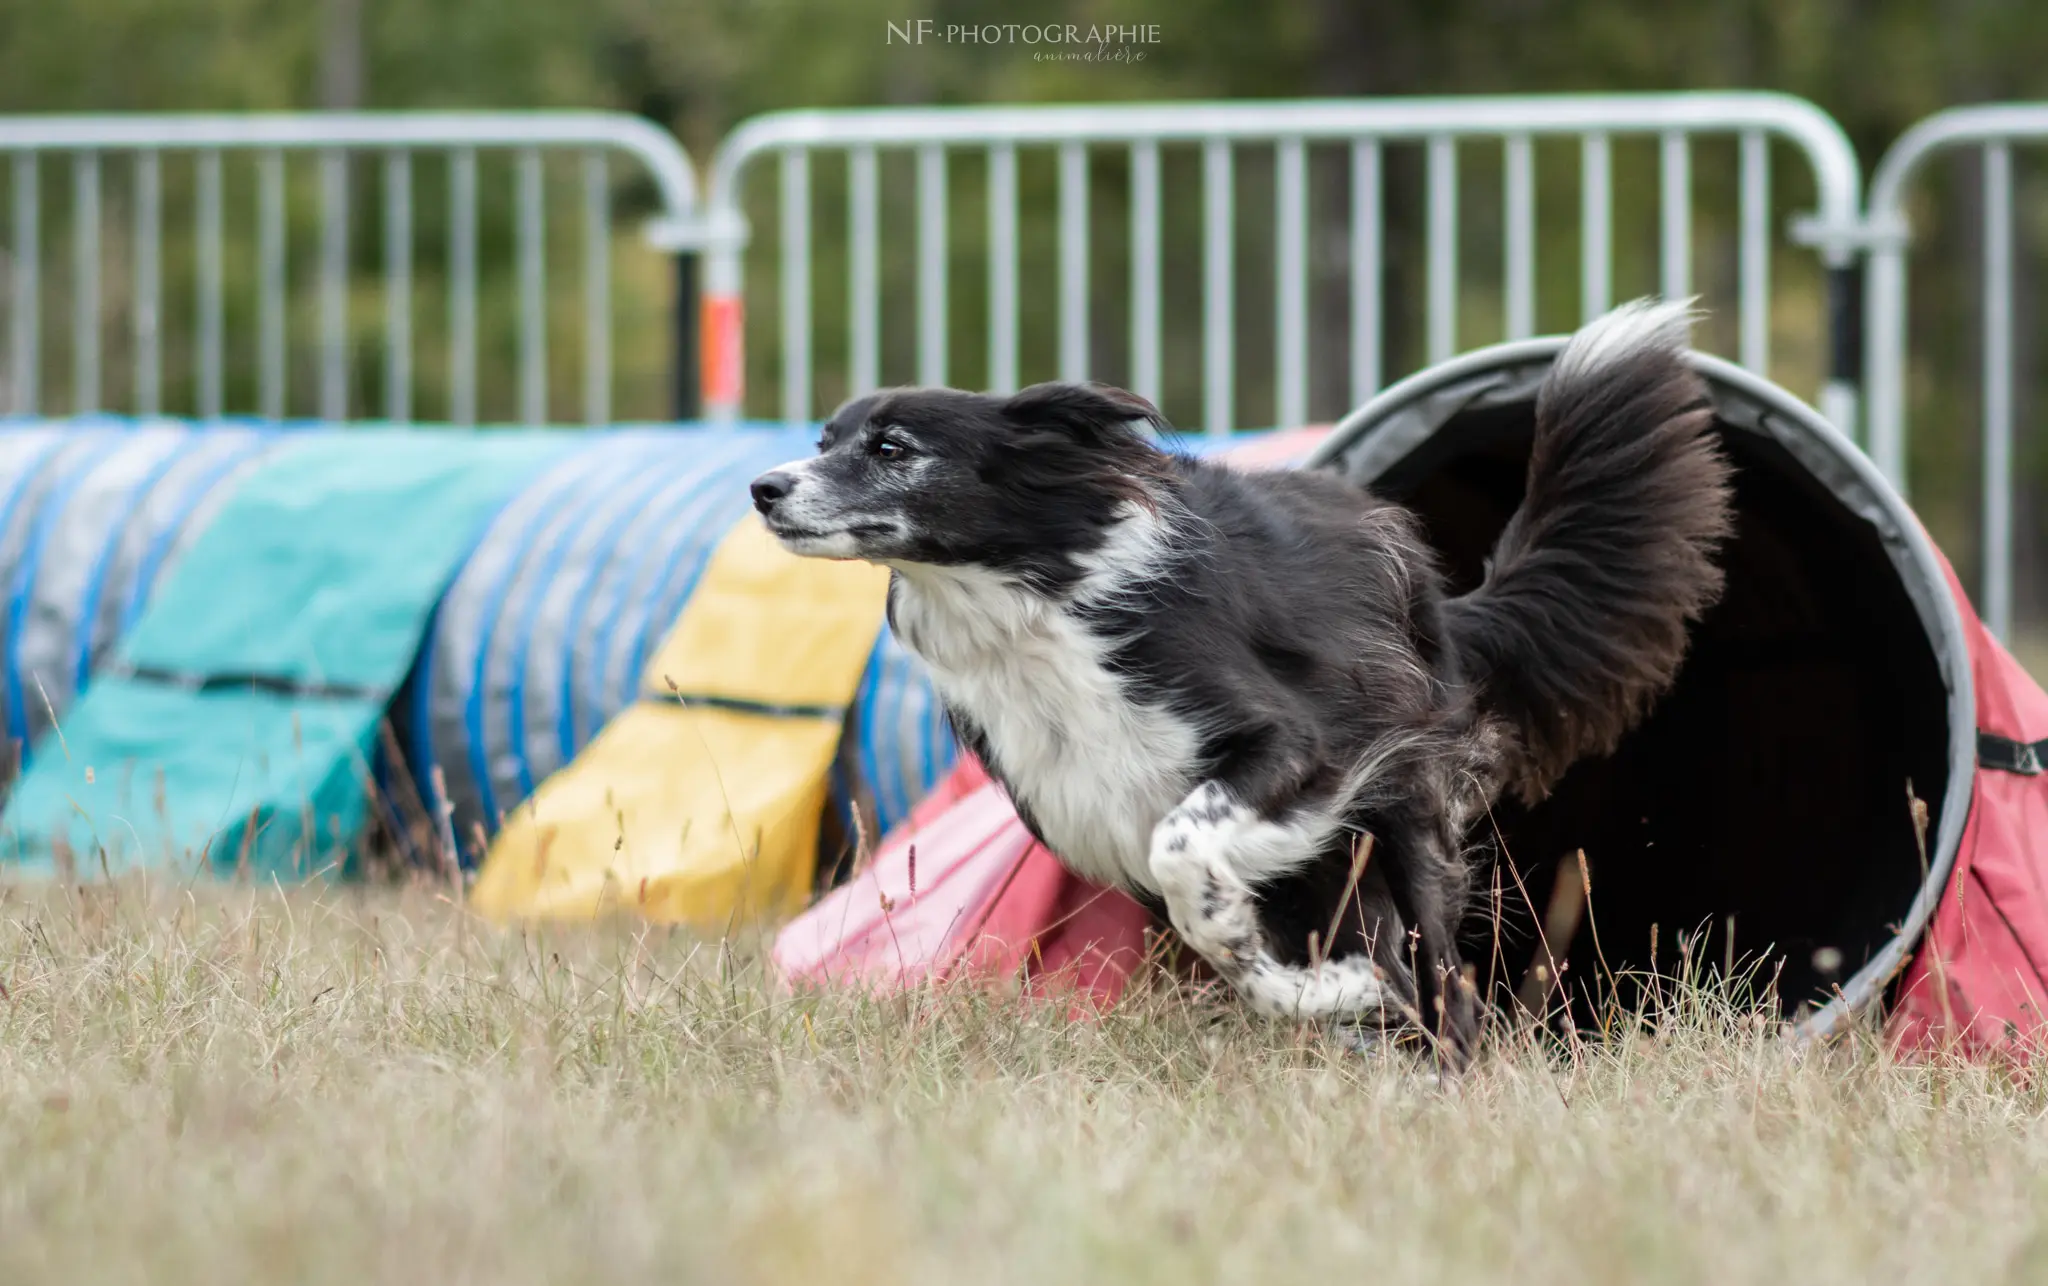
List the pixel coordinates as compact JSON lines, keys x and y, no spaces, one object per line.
{"x":1759,"y":406}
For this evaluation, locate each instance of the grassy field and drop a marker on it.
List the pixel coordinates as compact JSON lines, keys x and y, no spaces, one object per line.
{"x":365,"y":1085}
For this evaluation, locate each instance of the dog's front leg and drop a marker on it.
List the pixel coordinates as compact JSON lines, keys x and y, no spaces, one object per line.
{"x":1208,"y":854}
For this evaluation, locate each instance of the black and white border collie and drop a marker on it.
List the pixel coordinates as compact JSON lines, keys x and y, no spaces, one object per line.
{"x":1208,"y":687}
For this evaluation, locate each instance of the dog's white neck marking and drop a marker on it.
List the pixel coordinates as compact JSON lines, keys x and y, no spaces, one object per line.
{"x":1095,"y":769}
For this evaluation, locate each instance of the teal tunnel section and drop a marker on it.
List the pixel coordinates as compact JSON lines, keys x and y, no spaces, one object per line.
{"x":539,"y":639}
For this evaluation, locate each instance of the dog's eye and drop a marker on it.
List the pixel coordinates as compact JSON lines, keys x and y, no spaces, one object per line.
{"x":890,"y":449}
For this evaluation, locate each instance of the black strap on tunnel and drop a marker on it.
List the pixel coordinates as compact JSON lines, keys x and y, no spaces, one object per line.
{"x":2027,"y":758}
{"x":770,"y":709}
{"x":283,"y":685}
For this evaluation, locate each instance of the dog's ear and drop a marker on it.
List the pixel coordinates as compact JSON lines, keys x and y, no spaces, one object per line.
{"x":1092,"y":414}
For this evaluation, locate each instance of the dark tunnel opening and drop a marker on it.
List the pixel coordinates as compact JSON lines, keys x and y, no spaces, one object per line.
{"x":1761,"y":814}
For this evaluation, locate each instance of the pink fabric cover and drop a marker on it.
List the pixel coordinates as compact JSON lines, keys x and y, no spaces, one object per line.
{"x":988,"y":900}
{"x":1976,"y":985}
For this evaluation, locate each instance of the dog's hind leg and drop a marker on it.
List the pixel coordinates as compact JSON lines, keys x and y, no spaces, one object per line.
{"x":1206,"y":855}
{"x":1421,"y":869}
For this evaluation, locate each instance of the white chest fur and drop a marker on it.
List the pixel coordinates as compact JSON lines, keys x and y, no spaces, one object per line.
{"x":1095,"y":770}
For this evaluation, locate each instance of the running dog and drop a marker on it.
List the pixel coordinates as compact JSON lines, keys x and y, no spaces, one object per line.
{"x":1250,"y":699}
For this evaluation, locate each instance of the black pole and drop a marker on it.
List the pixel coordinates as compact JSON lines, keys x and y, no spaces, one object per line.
{"x":689,"y":400}
{"x":1845,"y":324}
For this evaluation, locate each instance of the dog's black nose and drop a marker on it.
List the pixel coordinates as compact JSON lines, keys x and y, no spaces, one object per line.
{"x":771,"y":487}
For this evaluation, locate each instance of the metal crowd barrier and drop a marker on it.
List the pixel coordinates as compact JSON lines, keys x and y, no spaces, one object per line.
{"x":1218,"y":130}
{"x":44,"y":230}
{"x":142,"y":142}
{"x":1992,"y":131}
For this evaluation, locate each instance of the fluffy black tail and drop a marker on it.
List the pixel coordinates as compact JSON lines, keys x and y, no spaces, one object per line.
{"x":1582,"y":619}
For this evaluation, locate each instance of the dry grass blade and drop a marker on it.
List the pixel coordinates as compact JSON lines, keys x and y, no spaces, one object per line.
{"x":1561,"y":918}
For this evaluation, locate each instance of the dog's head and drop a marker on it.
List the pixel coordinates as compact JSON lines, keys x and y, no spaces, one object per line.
{"x":940,"y":477}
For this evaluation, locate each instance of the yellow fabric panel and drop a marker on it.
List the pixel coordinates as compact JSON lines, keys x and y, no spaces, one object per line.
{"x":698,"y":816}
{"x":764,"y":625}
{"x":703,"y":815}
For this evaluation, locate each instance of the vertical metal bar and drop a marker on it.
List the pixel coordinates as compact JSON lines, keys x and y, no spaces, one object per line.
{"x":686,"y":336}
{"x":1290,"y":284}
{"x":694,"y":316}
{"x":796,"y":286}
{"x":1520,"y":251}
{"x":1596,"y":226}
{"x":597,"y":289}
{"x":1219,"y":244}
{"x":462,"y":287}
{"x":85,"y":286}
{"x":1675,"y":212}
{"x":931,"y":264}
{"x":1884,"y":348}
{"x":26,"y":335}
{"x":1754,"y":270}
{"x":149,"y":222}
{"x":1002,"y":268}
{"x":1145,"y":345}
{"x":1998,"y":352}
{"x":333,"y":285}
{"x":1442,"y":325}
{"x":270,"y":302}
{"x":1073,"y":261}
{"x":864,"y":295}
{"x":1842,"y":391}
{"x":533,"y":301}
{"x":398,"y":286}
{"x":1365,"y":271}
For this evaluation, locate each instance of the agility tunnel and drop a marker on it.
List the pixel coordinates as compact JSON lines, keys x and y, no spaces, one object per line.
{"x":237,"y":720}
{"x":225,"y":618}
{"x":1841,"y":798}
{"x":1844,"y":770}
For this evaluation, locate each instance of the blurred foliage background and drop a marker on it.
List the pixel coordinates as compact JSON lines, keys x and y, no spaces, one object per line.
{"x":699,"y":66}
